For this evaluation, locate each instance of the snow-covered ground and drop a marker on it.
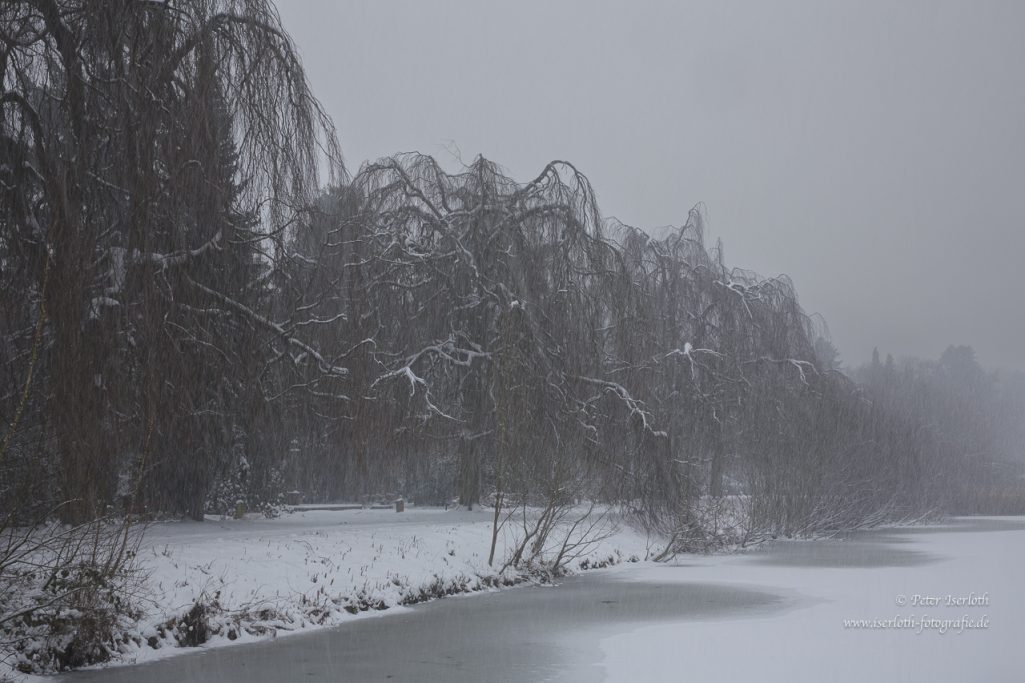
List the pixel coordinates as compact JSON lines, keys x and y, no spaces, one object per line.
{"x":311,"y":569}
{"x":949,"y":603}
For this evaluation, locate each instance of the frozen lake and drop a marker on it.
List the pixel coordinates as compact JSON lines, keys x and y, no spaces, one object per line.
{"x":949,"y":603}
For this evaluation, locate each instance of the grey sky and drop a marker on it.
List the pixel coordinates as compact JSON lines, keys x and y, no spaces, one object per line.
{"x":873,"y":151}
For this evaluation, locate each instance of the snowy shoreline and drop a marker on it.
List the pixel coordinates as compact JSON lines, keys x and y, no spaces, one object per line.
{"x":305,"y":572}
{"x":223,"y":582}
{"x":827,"y":595}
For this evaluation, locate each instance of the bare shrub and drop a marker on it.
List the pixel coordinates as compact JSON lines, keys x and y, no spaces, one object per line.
{"x":66,"y":592}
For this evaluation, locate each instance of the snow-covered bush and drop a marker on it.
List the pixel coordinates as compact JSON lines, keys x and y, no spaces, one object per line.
{"x":240,"y":482}
{"x":67,"y":594}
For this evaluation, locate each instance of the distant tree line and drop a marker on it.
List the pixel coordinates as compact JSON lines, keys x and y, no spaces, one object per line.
{"x":192,"y":316}
{"x":969,"y":424}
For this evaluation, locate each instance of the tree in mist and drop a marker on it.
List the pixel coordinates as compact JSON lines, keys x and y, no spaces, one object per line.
{"x":157,"y":155}
{"x":960,"y":425}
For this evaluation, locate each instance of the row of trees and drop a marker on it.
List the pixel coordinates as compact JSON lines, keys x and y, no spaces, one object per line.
{"x":969,"y":424}
{"x":189,"y":319}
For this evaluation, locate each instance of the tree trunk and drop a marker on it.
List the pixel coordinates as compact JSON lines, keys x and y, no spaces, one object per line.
{"x":76,"y":394}
{"x":715,"y":475}
{"x":469,"y":473}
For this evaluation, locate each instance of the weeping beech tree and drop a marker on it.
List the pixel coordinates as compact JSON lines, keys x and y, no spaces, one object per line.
{"x":156,"y":156}
{"x":458,"y":275}
{"x":725,"y":362}
{"x":512,"y":345}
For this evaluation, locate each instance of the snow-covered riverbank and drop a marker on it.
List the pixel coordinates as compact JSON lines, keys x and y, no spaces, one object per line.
{"x":789,"y":611}
{"x":260,"y":578}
